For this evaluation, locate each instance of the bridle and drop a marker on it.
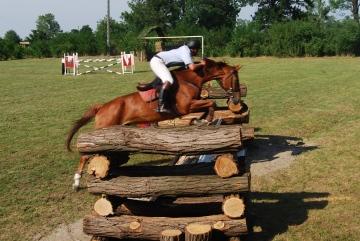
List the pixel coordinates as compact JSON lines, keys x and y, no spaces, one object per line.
{"x":234,"y":86}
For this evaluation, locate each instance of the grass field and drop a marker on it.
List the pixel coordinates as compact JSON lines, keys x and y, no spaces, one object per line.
{"x":317,"y":99}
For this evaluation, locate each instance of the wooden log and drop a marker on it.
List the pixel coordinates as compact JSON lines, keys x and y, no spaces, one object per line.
{"x":177,"y":170}
{"x":96,"y":238}
{"x":235,"y":108}
{"x":183,"y":160}
{"x":229,"y":117}
{"x":170,"y":235}
{"x":204,"y":199}
{"x":197,"y":232}
{"x":123,"y":206}
{"x":149,"y":228}
{"x":98,"y":166}
{"x":194,"y":185}
{"x":175,"y":122}
{"x":219,"y":93}
{"x":185,"y":120}
{"x":176,"y":141}
{"x":104,"y":207}
{"x":233,"y":206}
{"x":226,"y":165}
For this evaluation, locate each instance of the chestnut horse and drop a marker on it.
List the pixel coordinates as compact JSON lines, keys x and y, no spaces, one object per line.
{"x":131,"y":108}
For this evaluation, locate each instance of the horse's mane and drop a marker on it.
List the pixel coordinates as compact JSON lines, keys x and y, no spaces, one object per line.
{"x":199,"y":71}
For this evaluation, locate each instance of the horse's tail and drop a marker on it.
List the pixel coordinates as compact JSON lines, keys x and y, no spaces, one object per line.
{"x":86,"y":118}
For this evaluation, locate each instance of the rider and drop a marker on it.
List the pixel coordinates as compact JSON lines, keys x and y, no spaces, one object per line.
{"x":160,"y":62}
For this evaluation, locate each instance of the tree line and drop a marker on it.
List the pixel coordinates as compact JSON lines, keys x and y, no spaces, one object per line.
{"x":278,"y":28}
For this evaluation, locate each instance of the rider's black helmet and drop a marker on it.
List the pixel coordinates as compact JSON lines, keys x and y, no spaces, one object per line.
{"x":194,"y":44}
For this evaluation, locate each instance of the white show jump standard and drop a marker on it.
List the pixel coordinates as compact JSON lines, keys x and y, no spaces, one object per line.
{"x":71,"y":64}
{"x":127,"y":62}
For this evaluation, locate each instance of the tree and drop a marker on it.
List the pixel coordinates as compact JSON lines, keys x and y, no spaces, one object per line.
{"x":352,"y":5}
{"x":211,"y":14}
{"x":145,"y":13}
{"x":12,"y":37}
{"x":118,"y":31}
{"x":87,"y":43}
{"x":46,"y":28}
{"x":11,"y":45}
{"x":4,"y":52}
{"x":320,"y":10}
{"x":271,"y":11}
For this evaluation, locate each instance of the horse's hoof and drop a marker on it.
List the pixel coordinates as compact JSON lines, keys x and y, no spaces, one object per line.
{"x":200,"y":122}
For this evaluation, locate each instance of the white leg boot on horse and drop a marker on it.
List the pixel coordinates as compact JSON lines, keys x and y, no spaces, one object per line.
{"x":77,"y":176}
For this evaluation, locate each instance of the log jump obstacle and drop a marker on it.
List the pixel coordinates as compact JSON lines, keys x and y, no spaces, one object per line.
{"x":71,"y":64}
{"x":200,"y":194}
{"x":191,"y":200}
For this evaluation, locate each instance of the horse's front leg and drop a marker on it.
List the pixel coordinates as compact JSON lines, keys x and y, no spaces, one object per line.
{"x":77,"y":176}
{"x":199,"y":105}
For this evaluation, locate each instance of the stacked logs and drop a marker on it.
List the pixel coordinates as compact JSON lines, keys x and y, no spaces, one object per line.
{"x":193,"y":202}
{"x":214,"y":204}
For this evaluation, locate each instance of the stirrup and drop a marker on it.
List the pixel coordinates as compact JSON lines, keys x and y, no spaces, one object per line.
{"x":163,"y":109}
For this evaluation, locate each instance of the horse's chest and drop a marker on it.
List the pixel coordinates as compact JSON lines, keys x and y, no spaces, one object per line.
{"x":189,"y":93}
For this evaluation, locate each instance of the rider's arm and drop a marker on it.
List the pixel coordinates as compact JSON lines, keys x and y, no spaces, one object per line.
{"x":193,"y":66}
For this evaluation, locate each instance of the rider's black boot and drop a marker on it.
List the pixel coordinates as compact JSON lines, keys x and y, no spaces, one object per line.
{"x":162,"y":99}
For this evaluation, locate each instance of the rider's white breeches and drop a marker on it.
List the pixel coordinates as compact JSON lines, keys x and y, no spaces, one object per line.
{"x":160,"y":70}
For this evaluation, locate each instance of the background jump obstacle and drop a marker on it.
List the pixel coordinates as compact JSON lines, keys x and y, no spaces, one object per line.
{"x":70,"y":64}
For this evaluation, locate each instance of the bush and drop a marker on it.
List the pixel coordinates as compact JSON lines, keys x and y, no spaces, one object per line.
{"x":247,"y":40}
{"x":296,"y":38}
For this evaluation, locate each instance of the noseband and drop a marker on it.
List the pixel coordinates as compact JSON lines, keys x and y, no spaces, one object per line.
{"x":234,"y":86}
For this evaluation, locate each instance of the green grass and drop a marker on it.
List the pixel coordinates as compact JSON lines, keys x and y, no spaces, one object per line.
{"x":312,"y":98}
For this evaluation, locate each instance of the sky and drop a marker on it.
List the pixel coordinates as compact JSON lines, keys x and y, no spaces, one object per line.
{"x":21,"y":15}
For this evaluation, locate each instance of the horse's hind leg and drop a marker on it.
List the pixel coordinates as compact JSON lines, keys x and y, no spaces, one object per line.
{"x":77,"y":176}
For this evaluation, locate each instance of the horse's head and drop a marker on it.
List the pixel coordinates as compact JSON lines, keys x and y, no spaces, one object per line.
{"x":226,"y":75}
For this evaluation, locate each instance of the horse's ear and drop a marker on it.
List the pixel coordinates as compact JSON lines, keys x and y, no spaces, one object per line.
{"x":237,"y":67}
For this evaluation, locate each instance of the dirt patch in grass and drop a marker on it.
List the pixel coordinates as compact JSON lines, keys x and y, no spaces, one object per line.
{"x":269,"y":153}
{"x":70,"y":232}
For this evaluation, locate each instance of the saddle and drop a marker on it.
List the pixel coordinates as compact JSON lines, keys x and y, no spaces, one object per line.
{"x":150,"y":91}
{"x":147,"y":86}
